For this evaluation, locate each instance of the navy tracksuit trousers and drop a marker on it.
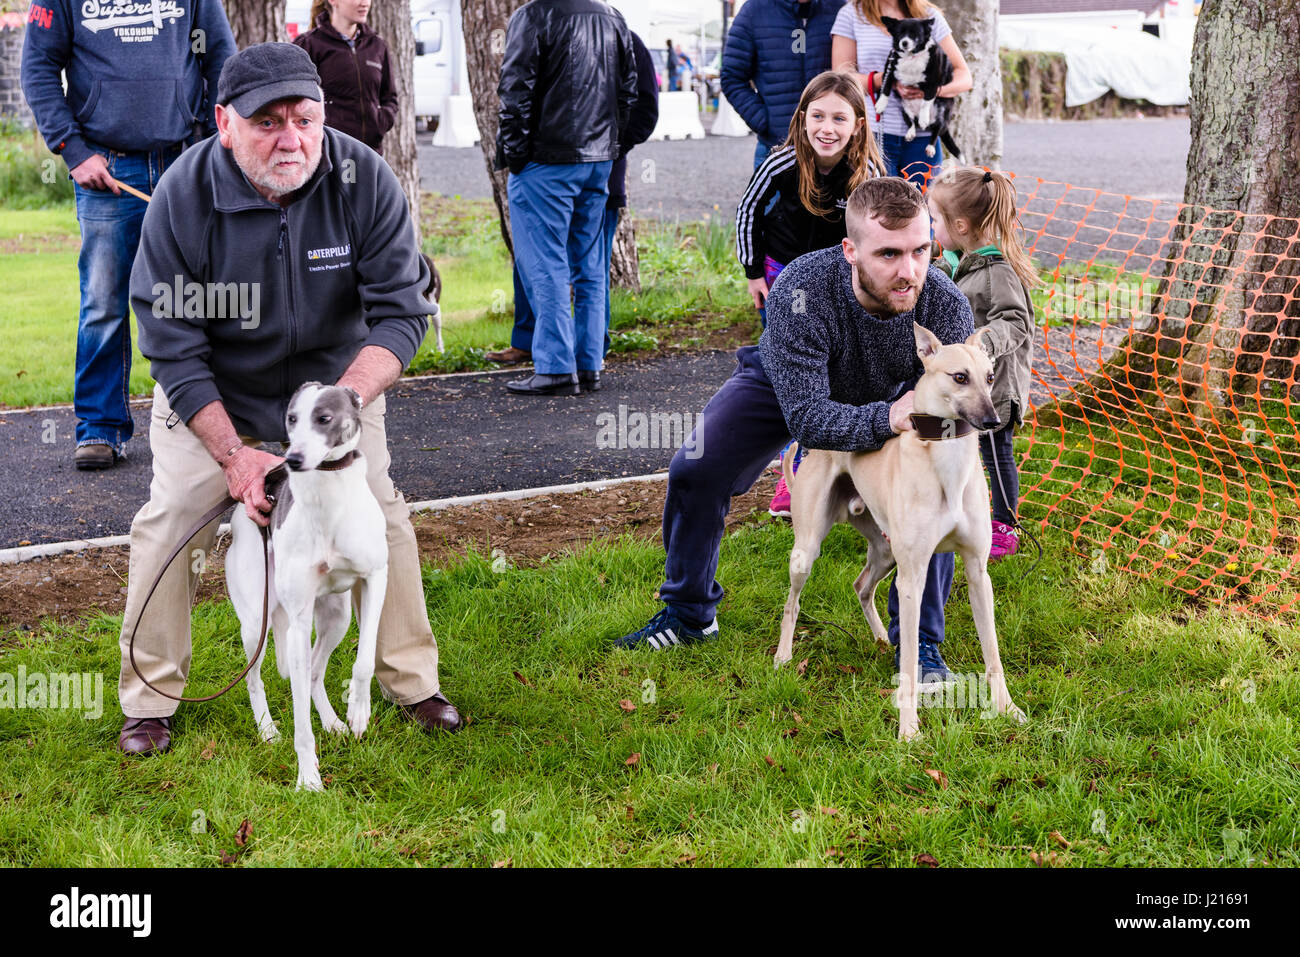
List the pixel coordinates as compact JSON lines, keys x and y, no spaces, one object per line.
{"x":741,"y":431}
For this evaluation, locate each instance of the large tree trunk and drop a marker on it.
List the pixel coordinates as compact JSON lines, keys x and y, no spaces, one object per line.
{"x":977,"y":120}
{"x":256,"y":21}
{"x":391,"y":19}
{"x":1224,"y":329}
{"x":484,"y":23}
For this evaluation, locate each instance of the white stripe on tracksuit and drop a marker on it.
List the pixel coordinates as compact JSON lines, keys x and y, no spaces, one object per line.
{"x":756,"y":198}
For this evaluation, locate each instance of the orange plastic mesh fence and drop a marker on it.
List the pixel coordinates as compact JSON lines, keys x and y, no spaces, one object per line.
{"x":1162,"y":438}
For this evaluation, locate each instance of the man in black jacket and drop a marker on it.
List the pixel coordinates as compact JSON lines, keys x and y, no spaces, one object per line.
{"x":568,"y":84}
{"x":645,"y":116}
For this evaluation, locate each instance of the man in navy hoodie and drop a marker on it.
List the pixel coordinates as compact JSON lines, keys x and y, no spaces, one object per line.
{"x":140,"y":83}
{"x":777,"y":46}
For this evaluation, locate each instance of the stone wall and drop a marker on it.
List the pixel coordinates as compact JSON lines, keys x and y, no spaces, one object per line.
{"x":12,"y":104}
{"x":1033,"y":88}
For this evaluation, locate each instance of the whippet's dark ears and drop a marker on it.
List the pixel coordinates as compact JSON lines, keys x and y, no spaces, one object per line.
{"x":981,"y":339}
{"x":927,"y":343}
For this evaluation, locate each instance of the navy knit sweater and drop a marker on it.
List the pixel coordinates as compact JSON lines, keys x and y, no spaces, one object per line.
{"x":836,"y":367}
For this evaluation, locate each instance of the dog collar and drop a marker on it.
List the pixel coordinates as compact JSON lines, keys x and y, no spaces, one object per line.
{"x":932,"y":427}
{"x":344,"y":461}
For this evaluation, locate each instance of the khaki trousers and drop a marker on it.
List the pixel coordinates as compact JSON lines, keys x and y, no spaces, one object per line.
{"x":186,"y":483}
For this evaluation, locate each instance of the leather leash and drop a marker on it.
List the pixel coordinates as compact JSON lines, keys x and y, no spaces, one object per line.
{"x":274,"y":479}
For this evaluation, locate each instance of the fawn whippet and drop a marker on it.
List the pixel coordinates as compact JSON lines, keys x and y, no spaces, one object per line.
{"x":919,"y":494}
{"x":327,"y":535}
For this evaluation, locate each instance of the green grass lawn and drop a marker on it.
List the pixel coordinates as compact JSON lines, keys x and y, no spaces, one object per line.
{"x":688,"y":272}
{"x":1151,"y":733}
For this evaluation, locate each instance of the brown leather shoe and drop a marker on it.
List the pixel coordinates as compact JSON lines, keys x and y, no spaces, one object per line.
{"x":509,"y":356}
{"x":146,"y":736}
{"x":435,"y":714}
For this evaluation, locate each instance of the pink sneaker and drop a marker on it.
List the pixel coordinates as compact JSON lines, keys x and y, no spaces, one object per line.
{"x":780,"y":507}
{"x":1006,"y":540}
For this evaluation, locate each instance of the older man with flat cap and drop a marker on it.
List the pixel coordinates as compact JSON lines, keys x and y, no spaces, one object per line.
{"x":277,"y":252}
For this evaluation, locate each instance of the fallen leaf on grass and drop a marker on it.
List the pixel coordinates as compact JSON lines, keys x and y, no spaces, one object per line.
{"x":634,"y":759}
{"x":830,"y":811}
{"x":797,"y":719}
{"x":834,"y":852}
{"x":227,"y":858}
{"x":209,"y":752}
{"x":1043,"y":860}
{"x":508,"y":862}
{"x":801,"y":667}
{"x":926,"y":860}
{"x":522,"y":680}
{"x":243,"y":833}
{"x":789,"y":732}
{"x":770,"y":760}
{"x":1059,"y":838}
{"x":629,"y":812}
{"x":884,"y":692}
{"x":939,"y":777}
{"x":849,"y":669}
{"x":686,"y":858}
{"x":713,"y":769}
{"x":627,"y":705}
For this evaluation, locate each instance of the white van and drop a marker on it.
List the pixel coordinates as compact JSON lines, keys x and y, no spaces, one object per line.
{"x":439,"y":52}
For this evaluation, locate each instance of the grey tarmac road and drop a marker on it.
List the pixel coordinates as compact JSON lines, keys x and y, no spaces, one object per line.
{"x":447,"y":436}
{"x":692,"y":179}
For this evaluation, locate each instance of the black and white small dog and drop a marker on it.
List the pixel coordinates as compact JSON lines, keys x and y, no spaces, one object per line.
{"x":915,"y":59}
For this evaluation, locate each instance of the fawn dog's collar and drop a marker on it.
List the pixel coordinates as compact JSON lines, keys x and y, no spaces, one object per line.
{"x":932,"y":427}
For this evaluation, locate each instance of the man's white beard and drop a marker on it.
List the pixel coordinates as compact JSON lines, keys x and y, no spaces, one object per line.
{"x":279,"y":184}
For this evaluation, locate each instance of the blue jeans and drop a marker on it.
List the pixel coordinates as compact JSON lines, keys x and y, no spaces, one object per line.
{"x":740,"y":431}
{"x":521,"y":336}
{"x":909,"y":160}
{"x":110,"y":233}
{"x":557,"y":213}
{"x":760,"y":153}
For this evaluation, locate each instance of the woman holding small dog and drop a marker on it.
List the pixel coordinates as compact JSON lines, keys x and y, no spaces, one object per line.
{"x":860,"y":44}
{"x":796,"y":198}
{"x":974,"y":217}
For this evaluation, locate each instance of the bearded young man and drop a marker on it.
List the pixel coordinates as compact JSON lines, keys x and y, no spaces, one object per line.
{"x":834,"y":369}
{"x":311,"y":228}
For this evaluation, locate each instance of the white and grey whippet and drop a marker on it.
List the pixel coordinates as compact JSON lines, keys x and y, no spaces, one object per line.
{"x":916,"y":495}
{"x":327,"y":536}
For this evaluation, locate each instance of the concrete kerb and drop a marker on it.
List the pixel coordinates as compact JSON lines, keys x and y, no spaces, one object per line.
{"x":24,"y":553}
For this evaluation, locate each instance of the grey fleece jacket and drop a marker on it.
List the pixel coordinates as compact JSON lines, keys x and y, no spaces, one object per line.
{"x":835,"y":367}
{"x":241,"y":300}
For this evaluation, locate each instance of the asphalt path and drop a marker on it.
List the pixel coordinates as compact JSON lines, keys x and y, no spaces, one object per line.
{"x":448,"y":436}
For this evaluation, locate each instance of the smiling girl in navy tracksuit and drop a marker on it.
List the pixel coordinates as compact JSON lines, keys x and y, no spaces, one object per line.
{"x":795,"y":200}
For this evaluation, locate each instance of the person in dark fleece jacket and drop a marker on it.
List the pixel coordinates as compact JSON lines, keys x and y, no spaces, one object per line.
{"x":355,"y":70}
{"x":278,"y":252}
{"x":834,"y":369}
{"x":139,"y":89}
{"x":778,"y":46}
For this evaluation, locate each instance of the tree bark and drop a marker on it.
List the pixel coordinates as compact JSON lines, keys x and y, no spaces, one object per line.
{"x":977,"y":121}
{"x":1226,"y":324}
{"x":391,"y":19}
{"x":256,"y":21}
{"x":484,"y":23}
{"x":624,"y":264}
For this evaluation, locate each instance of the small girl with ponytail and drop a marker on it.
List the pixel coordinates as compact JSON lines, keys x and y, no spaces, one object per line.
{"x":973,"y":212}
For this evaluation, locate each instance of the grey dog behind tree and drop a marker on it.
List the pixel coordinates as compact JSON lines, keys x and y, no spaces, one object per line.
{"x":433,"y":292}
